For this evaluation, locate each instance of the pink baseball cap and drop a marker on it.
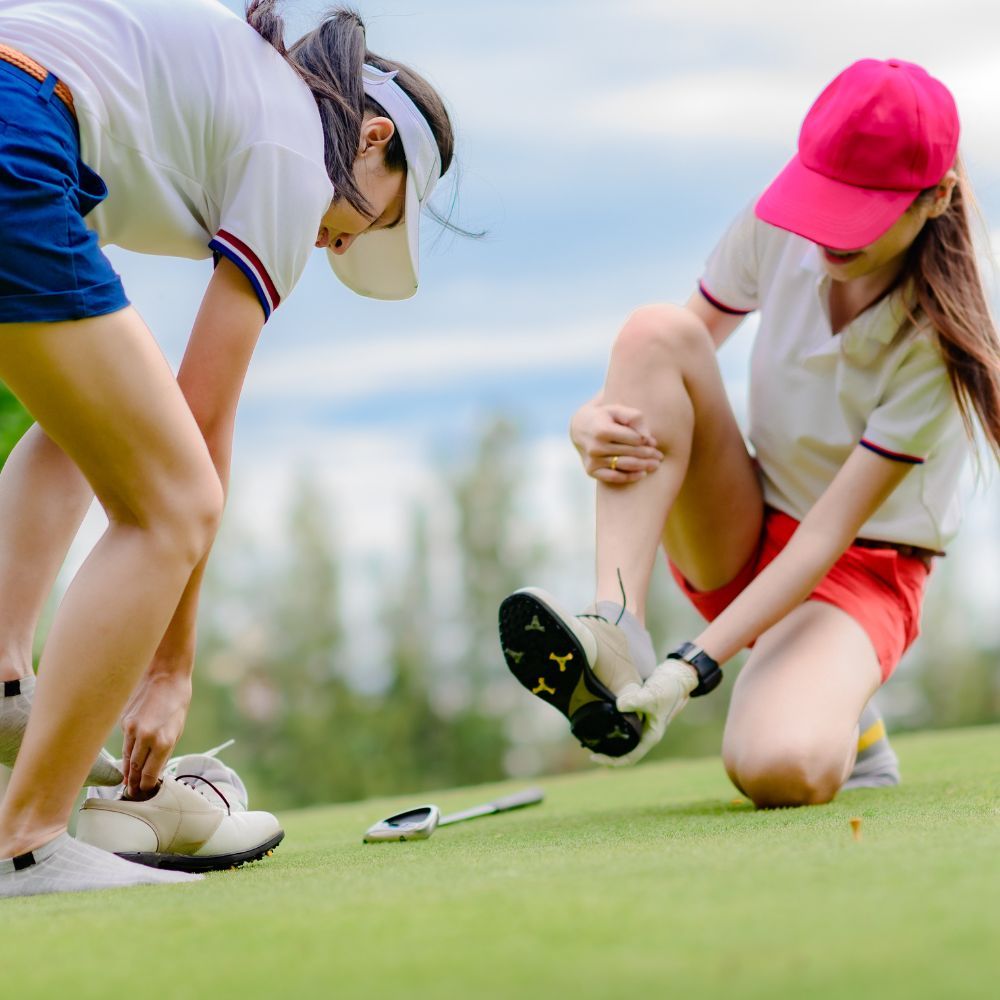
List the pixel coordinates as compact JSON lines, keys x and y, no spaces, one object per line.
{"x":879,"y":134}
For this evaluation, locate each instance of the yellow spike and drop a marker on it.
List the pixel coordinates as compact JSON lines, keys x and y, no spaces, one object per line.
{"x":561,"y":660}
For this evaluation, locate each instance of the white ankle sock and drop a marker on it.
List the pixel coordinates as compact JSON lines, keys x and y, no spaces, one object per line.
{"x":640,"y":645}
{"x":15,"y":708}
{"x":877,"y":765}
{"x":66,"y":865}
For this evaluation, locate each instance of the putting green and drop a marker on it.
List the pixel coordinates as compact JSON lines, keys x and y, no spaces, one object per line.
{"x":649,"y":882}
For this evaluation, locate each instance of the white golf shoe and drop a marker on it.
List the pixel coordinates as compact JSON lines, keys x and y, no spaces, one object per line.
{"x":579,"y":664}
{"x":197,"y":821}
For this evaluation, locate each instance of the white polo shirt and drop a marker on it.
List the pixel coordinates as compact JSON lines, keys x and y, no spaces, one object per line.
{"x":815,"y":396}
{"x":206,"y":138}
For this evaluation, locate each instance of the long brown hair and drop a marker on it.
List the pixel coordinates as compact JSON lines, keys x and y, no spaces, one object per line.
{"x":948,"y":296}
{"x":329,"y":60}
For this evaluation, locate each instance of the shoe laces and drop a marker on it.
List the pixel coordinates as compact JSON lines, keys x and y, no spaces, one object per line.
{"x":201,"y":772}
{"x":621,"y":613}
{"x":192,"y":780}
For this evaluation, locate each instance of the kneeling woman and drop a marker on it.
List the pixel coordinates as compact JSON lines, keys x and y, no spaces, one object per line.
{"x":875,"y":347}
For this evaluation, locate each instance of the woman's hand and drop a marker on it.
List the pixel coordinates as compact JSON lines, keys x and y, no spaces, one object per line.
{"x":152,"y":724}
{"x":662,"y":695}
{"x":614,"y":442}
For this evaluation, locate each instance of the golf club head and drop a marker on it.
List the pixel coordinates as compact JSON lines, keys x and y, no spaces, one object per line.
{"x":414,"y":824}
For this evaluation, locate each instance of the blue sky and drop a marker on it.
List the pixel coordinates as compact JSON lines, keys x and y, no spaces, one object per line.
{"x":604,"y":147}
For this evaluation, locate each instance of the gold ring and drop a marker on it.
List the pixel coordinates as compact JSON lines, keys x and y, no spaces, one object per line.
{"x":614,"y":463}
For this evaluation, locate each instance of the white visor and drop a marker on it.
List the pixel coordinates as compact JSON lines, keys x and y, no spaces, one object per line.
{"x":384,"y":264}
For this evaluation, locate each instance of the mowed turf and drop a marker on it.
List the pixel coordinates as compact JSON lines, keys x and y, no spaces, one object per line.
{"x":651,"y":882}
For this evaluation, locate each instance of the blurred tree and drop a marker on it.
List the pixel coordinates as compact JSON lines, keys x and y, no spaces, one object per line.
{"x":436,"y":730}
{"x":952,"y":675}
{"x":497,"y":549}
{"x":270,"y":664}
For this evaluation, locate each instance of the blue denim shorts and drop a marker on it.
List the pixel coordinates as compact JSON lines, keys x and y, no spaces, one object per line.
{"x":51,"y":267}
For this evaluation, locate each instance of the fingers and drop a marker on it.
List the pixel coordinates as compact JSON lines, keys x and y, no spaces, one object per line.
{"x":615,"y":443}
{"x":623,"y":436}
{"x":134,"y":770}
{"x":152,"y":769}
{"x":649,"y":740}
{"x":630,"y":697}
{"x":633,"y":419}
{"x":613,"y":424}
{"x":621,"y":467}
{"x":148,"y":756}
{"x":599,"y":758}
{"x":658,"y":700}
{"x":605,"y":474}
{"x":637,"y":702}
{"x":127,"y":746}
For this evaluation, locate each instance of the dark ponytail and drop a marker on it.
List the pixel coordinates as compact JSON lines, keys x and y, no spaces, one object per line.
{"x":948,"y":296}
{"x":329,"y":60}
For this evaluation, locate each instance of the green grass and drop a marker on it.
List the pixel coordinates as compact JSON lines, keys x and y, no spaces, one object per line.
{"x":650,"y":883}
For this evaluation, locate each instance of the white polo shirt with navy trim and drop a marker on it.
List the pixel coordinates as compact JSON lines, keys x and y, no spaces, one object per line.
{"x":207,"y":139}
{"x":815,"y":396}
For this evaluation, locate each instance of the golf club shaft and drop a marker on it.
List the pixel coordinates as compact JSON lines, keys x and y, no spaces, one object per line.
{"x":529,"y":797}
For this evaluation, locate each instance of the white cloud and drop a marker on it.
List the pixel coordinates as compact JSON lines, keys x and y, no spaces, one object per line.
{"x":352,"y":370}
{"x":726,"y":106}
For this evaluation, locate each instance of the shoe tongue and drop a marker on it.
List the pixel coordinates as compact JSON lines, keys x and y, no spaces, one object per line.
{"x":197,"y":766}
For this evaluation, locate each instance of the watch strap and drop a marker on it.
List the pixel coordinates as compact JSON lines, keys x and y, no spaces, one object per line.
{"x":708,"y":670}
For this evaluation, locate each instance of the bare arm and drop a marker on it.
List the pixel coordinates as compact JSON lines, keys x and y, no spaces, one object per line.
{"x":857,"y":491}
{"x":211,"y":377}
{"x":719,"y":322}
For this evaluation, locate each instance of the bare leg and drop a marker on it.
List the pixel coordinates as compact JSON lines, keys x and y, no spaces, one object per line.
{"x":104,"y":394}
{"x":43,"y":499}
{"x":792,"y":732}
{"x":704,"y":501}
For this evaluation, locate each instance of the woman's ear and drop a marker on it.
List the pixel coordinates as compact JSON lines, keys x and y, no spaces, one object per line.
{"x":942,"y":197}
{"x":375,"y":134}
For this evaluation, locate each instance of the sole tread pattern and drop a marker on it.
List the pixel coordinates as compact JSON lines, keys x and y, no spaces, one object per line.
{"x":547,"y":660}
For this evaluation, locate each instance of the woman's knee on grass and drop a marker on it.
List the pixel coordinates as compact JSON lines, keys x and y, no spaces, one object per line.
{"x":785,"y":772}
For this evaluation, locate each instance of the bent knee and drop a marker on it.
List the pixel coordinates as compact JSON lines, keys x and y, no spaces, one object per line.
{"x":670,"y":331}
{"x":785,"y":775}
{"x":180,"y":515}
{"x":203,"y":515}
{"x":193,"y":521}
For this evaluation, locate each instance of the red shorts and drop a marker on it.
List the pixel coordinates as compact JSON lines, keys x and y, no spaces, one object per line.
{"x":881,"y":589}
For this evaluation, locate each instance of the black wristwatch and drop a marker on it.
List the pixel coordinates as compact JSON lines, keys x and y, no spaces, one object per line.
{"x":709,"y":672}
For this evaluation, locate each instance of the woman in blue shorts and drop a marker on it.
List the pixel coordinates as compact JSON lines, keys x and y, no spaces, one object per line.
{"x":167,"y":128}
